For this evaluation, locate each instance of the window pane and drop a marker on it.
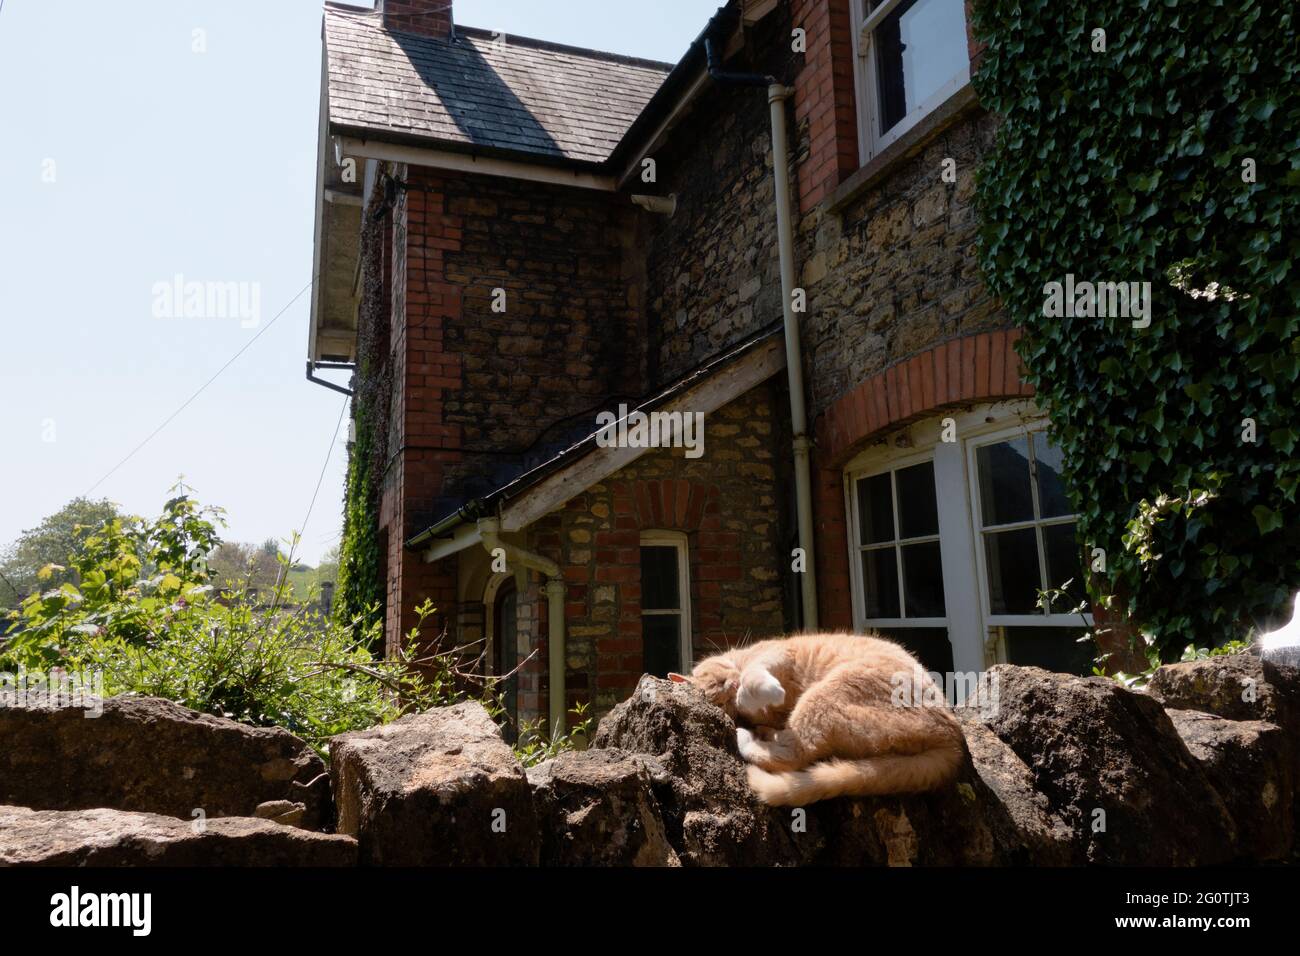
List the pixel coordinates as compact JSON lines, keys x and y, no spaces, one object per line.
{"x":918,"y":514}
{"x":923,"y":580}
{"x":930,"y":645}
{"x":1003,"y":470}
{"x":1064,"y":563}
{"x":1012,"y":559}
{"x":659,"y":578}
{"x":1052,"y":648}
{"x":661,"y":643}
{"x":880,"y":576}
{"x":1052,"y":499}
{"x":876,"y":509}
{"x":920,"y":47}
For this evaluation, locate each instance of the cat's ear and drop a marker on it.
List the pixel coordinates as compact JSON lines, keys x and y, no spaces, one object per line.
{"x":679,"y":678}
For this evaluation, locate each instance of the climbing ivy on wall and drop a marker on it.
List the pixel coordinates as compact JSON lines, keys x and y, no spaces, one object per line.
{"x":1166,"y":151}
{"x":360,"y":586}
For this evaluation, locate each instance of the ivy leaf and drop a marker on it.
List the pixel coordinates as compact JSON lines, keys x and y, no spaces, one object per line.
{"x":1266,"y":519}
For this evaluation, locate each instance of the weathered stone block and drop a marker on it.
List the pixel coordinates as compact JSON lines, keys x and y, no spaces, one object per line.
{"x":435,"y":789}
{"x":155,"y":756}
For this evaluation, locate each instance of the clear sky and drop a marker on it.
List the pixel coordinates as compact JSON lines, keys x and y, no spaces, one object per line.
{"x":129,"y":156}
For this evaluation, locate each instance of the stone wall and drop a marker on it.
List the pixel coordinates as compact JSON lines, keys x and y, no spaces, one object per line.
{"x":712,"y":271}
{"x":727,"y":504}
{"x":893,"y":271}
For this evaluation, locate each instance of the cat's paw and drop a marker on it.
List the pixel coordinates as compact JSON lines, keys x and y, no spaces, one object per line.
{"x":745,"y":743}
{"x":759,"y":690}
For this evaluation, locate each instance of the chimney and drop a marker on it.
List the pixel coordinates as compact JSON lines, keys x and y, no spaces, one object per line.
{"x":430,"y":18}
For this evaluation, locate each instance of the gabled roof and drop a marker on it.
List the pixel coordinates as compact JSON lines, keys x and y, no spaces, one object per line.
{"x":543,"y":100}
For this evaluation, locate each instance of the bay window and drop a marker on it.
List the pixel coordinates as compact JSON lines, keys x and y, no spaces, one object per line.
{"x":954,"y":541}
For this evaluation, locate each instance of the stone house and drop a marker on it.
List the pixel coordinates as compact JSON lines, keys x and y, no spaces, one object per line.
{"x":519,"y":242}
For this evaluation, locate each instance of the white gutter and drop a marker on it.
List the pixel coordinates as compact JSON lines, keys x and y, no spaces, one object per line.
{"x":489,"y":530}
{"x":318,"y":238}
{"x":469,"y":163}
{"x":465,"y":537}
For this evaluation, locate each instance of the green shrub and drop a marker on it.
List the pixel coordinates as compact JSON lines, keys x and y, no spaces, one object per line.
{"x":145,"y":614}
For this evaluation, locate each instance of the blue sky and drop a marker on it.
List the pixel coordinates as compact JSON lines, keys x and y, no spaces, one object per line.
{"x":129,"y":159}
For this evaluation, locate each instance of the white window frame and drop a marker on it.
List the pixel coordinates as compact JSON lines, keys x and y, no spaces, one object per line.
{"x":866,"y":83}
{"x":678,"y":541}
{"x":981,"y":556}
{"x":887,"y":466}
{"x":974,"y":634}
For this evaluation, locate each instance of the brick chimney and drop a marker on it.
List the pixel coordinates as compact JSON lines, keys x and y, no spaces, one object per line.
{"x":431,"y":18}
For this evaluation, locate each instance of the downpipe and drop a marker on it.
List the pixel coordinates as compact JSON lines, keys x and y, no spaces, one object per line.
{"x":777,"y":94}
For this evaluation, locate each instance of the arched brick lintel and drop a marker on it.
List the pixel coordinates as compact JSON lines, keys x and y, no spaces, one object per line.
{"x":974,"y":368}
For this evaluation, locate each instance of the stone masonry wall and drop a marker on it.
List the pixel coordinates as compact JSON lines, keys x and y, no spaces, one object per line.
{"x":727,"y":504}
{"x":894,"y":271}
{"x":712,"y":270}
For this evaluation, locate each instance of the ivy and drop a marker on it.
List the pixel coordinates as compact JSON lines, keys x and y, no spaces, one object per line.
{"x":359,"y":591}
{"x":1171,"y":157}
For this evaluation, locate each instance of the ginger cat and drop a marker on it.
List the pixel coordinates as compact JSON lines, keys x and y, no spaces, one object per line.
{"x":833,"y":715}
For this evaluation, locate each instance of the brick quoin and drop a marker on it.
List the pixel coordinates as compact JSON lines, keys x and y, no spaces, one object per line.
{"x":974,"y":368}
{"x":423,"y":444}
{"x":824,"y":98}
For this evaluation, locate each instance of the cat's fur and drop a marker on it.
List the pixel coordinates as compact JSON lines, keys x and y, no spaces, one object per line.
{"x":828,"y":719}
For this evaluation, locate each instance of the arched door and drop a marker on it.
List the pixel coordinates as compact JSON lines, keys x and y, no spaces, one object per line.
{"x":505,"y":652}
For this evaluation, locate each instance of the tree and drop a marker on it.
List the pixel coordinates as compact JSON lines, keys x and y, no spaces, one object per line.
{"x":53,"y":541}
{"x":328,"y":571}
{"x":254,"y":566}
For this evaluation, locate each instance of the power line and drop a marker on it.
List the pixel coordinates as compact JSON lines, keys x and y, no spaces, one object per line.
{"x":329,"y":452}
{"x":266,"y":328}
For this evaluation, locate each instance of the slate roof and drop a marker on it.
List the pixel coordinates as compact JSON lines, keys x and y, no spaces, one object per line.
{"x":525,"y":96}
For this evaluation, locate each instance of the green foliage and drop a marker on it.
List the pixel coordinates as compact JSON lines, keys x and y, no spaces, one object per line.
{"x":146,"y":615}
{"x":534,"y":746}
{"x":48,"y":543}
{"x":1133,"y":164}
{"x":359,"y":590}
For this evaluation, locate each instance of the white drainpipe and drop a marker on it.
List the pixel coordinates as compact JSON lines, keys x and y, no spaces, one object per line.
{"x":489,"y":532}
{"x":777,"y":94}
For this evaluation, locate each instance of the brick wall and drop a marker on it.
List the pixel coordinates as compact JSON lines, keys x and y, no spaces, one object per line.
{"x":824,"y":99}
{"x":427,"y":17}
{"x":419,"y":443}
{"x":473,"y":391}
{"x":569,"y":338}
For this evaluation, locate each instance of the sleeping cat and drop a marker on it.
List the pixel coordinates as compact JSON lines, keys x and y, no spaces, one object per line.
{"x":833,"y":715}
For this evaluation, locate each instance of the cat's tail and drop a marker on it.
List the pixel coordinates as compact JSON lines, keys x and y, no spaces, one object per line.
{"x":868,"y":777}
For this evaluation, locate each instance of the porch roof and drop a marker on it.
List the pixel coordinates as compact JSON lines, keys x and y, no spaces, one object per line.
{"x":539,"y":491}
